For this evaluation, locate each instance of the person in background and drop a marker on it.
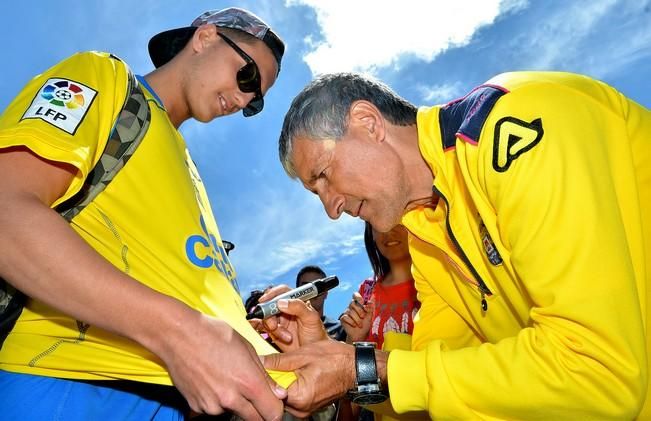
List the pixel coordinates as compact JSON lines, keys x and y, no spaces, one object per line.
{"x":137,"y":293}
{"x":386,"y":302}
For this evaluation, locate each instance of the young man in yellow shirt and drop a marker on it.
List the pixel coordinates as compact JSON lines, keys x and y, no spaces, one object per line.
{"x":137,"y":293}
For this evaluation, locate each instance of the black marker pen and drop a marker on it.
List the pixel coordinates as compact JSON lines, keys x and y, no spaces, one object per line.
{"x":304,"y":292}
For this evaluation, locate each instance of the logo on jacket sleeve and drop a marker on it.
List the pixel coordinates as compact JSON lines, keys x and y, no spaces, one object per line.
{"x":513,"y":137}
{"x":489,"y":246}
{"x":62,"y":103}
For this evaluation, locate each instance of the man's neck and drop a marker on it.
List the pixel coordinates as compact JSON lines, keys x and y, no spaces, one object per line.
{"x":166,"y":83}
{"x":418,"y":174}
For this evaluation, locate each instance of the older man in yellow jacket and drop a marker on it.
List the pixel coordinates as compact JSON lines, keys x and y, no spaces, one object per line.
{"x":528,"y":204}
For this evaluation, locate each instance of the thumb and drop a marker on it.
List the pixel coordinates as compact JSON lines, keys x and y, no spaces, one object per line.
{"x":279,"y":391}
{"x":281,"y":362}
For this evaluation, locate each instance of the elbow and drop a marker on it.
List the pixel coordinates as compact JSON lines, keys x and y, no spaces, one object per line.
{"x":634,"y":387}
{"x":625,"y":397}
{"x":605,"y":388}
{"x":631,"y":399}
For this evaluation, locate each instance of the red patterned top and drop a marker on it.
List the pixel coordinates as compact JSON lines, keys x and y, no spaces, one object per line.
{"x":395,"y":308}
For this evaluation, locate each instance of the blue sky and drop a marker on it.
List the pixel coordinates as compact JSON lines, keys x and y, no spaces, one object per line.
{"x":428,"y":51}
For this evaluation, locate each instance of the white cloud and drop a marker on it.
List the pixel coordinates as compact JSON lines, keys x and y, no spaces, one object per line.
{"x":558,"y":39}
{"x":285,"y":229}
{"x":352,"y":245}
{"x":598,"y":37}
{"x":347,"y":286}
{"x":363,"y":35}
{"x":437,"y":94}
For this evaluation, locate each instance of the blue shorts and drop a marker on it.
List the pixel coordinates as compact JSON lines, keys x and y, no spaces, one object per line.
{"x":29,"y":397}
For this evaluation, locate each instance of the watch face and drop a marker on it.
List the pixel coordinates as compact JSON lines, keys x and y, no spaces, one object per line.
{"x":369,"y":398}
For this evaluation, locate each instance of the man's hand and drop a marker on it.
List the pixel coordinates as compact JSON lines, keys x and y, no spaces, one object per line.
{"x":357,"y":318}
{"x":298,"y":324}
{"x":325,"y":371}
{"x":217,"y":370}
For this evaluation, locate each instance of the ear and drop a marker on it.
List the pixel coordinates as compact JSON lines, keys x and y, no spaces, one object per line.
{"x":204,"y":36}
{"x":365,"y":116}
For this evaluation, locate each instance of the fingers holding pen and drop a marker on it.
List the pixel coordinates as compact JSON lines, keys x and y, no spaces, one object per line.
{"x":361,"y":306}
{"x":296,"y":324}
{"x":357,"y":318}
{"x":272,"y":323}
{"x":299,"y":322}
{"x":283,"y":327}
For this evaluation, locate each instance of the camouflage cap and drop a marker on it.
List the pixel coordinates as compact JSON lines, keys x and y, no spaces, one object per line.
{"x":164,"y":46}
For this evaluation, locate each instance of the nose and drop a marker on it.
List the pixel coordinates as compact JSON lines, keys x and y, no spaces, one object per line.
{"x":242,"y":99}
{"x":332,"y":203}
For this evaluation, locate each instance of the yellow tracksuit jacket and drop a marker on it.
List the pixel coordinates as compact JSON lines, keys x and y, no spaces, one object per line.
{"x":532,"y":267}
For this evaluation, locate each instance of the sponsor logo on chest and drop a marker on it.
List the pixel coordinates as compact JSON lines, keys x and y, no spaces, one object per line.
{"x":206,"y":252}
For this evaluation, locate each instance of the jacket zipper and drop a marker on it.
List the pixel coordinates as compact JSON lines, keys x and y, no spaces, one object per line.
{"x":481,"y":286}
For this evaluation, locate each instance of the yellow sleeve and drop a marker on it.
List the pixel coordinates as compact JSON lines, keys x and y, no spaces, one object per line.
{"x":563,"y":206}
{"x":383,"y":411}
{"x":437,"y":326}
{"x":66,"y":113}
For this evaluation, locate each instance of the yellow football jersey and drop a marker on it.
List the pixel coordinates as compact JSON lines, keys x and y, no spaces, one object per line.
{"x":153,"y":221}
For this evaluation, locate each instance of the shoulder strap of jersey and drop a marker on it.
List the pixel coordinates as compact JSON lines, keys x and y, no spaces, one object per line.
{"x":129,"y":129}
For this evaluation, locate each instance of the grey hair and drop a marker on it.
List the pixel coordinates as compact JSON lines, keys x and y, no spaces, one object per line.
{"x":320,"y":110}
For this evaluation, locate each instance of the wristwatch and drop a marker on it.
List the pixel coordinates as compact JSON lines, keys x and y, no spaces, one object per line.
{"x":368,"y":388}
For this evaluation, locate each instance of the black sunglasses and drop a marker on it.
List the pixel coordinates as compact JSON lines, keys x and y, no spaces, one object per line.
{"x":248,"y":79}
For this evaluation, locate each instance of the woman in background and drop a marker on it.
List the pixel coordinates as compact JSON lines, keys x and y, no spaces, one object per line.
{"x":387,"y":301}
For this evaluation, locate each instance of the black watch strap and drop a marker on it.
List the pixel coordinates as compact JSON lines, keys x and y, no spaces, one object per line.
{"x":365,"y":363}
{"x":368,"y":389}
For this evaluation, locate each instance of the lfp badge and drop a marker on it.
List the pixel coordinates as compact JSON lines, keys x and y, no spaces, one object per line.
{"x":61,"y":102}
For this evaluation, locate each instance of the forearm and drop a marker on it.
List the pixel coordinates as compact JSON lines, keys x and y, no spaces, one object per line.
{"x":41,"y":255}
